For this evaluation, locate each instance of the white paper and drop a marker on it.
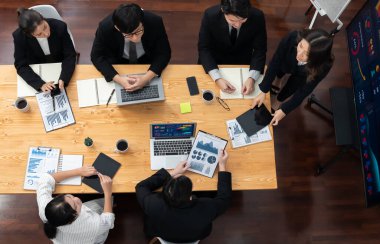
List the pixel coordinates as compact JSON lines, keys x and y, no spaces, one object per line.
{"x":87,"y":93}
{"x":40,"y":160}
{"x":69,"y":162}
{"x":203,"y":157}
{"x":47,"y":72}
{"x":256,"y":91}
{"x":104,"y":91}
{"x":60,"y":117}
{"x":239,"y":138}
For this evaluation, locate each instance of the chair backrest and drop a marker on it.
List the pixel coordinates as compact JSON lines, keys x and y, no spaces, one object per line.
{"x":48,"y":11}
{"x":162,"y":241}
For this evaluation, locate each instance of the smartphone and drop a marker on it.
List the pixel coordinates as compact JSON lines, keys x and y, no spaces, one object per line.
{"x":192,"y":85}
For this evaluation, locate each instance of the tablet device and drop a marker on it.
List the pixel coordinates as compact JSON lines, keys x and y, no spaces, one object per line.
{"x":254,"y":120}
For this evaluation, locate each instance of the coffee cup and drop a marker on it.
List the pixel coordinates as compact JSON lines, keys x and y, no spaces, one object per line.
{"x":121,"y":146}
{"x":22,"y":104}
{"x":208,"y":96}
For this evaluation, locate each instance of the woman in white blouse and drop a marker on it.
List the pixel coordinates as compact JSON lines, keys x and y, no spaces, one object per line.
{"x":68,"y":220}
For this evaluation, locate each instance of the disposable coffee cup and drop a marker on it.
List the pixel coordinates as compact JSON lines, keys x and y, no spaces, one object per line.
{"x":121,"y":146}
{"x":22,"y":104}
{"x":208,"y":96}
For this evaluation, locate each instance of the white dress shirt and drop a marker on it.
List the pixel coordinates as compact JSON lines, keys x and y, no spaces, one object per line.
{"x":44,"y":45}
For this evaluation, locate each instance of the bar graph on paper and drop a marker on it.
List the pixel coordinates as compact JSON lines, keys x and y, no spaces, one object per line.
{"x":58,"y":115}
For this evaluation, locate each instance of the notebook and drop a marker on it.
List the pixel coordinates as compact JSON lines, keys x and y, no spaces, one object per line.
{"x":170,"y":144}
{"x":237,"y":77}
{"x":47,"y":72}
{"x":93,"y":92}
{"x":254,"y":120}
{"x":106,"y":166}
{"x":153,"y":92}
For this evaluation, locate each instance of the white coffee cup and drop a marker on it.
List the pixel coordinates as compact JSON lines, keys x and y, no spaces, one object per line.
{"x":208,"y":96}
{"x":22,"y":104}
{"x":121,"y":146}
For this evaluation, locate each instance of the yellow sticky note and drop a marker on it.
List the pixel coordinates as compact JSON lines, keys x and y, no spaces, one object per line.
{"x":185,"y":108}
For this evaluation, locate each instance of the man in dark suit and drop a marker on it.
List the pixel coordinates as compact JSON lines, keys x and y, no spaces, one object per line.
{"x":39,"y":40}
{"x":233,"y":33}
{"x":129,"y":36}
{"x":174,"y":214}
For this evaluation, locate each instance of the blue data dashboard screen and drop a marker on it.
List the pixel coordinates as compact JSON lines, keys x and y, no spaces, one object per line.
{"x":363,"y":37}
{"x":173,"y":130}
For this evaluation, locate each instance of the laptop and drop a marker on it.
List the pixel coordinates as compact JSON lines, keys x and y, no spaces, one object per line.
{"x":150,"y":93}
{"x":170,"y":144}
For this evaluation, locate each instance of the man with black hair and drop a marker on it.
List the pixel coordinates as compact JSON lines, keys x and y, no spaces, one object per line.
{"x":174,"y":214}
{"x":233,"y":33}
{"x":131,"y":36}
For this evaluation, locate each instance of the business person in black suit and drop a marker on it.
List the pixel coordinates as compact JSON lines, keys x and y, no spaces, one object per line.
{"x":233,"y":33}
{"x":307,"y":58}
{"x":174,"y":214}
{"x":40,"y":40}
{"x":129,"y":36}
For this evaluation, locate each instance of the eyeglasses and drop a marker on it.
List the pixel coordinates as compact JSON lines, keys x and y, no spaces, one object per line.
{"x":223,"y":103}
{"x":136,"y":33}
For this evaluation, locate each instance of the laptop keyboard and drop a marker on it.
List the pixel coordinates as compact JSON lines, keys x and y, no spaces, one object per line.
{"x":174,"y":147}
{"x":147,"y":92}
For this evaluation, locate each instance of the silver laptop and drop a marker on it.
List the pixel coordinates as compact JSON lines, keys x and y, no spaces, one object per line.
{"x":170,"y":144}
{"x":150,"y":93}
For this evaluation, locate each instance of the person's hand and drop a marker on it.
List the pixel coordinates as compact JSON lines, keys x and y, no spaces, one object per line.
{"x":48,"y":86}
{"x":248,"y":86}
{"x":137,"y":82}
{"x":225,"y":86}
{"x":106,"y":183}
{"x":86,"y":171}
{"x":180,"y":169}
{"x":277,"y":116}
{"x":258,"y":100}
{"x":223,"y":157}
{"x":61,"y":84}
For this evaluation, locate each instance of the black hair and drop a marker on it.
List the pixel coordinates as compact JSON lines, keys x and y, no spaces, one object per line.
{"x":127,"y":17}
{"x":28,"y":20}
{"x":238,"y":8}
{"x":177,"y":191}
{"x":320,"y":51}
{"x":58,"y":212}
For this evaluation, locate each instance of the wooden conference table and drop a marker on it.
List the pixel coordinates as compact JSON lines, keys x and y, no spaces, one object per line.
{"x":252,"y":167}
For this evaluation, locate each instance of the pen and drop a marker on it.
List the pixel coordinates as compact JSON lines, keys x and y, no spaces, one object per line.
{"x":53,"y":104}
{"x":109,"y":99}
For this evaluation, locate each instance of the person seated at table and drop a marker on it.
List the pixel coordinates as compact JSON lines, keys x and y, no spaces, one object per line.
{"x":233,"y":33}
{"x":306,"y":58}
{"x":174,"y":214}
{"x":131,"y":36}
{"x":38,"y":40}
{"x":68,"y":220}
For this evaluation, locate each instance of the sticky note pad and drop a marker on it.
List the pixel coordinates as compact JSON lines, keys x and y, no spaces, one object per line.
{"x":185,"y":108}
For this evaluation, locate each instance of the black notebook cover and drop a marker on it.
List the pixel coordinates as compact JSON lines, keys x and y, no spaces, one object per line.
{"x":106,"y":166}
{"x":254,"y":120}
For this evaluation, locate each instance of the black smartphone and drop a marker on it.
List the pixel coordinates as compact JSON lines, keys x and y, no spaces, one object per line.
{"x":192,"y":85}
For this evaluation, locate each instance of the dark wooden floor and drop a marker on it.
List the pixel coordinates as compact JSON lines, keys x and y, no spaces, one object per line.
{"x":304,"y":209}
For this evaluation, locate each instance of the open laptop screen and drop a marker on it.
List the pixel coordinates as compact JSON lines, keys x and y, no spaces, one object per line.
{"x":163,"y":131}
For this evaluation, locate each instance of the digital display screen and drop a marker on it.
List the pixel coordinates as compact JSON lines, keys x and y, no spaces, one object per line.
{"x":184,"y":130}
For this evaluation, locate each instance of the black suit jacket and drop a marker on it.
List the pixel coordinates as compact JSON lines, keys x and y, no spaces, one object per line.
{"x":284,"y":62}
{"x":186,"y":223}
{"x":108,"y":47}
{"x":28,"y":51}
{"x":215,"y":47}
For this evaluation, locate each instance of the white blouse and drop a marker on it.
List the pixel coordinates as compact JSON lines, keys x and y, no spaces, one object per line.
{"x":44,"y":44}
{"x":89,"y":227}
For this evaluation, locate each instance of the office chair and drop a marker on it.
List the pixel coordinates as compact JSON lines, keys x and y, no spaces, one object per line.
{"x":48,"y":11}
{"x":162,"y":241}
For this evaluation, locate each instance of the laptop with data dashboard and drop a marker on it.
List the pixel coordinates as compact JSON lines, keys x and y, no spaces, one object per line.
{"x":153,"y":92}
{"x":170,"y":144}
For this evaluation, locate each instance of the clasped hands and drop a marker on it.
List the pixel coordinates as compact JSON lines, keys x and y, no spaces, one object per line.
{"x":134,"y":82}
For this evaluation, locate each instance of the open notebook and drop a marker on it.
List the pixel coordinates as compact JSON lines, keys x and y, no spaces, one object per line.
{"x":94,"y":92}
{"x":47,"y":72}
{"x":237,"y":77}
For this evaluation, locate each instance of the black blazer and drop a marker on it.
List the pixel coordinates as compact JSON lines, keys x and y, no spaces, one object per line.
{"x":108,"y":47}
{"x":186,"y":223}
{"x":284,"y":62}
{"x":28,"y":51}
{"x":215,"y":47}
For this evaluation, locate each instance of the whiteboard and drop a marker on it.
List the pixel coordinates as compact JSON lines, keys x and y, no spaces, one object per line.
{"x":333,"y":8}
